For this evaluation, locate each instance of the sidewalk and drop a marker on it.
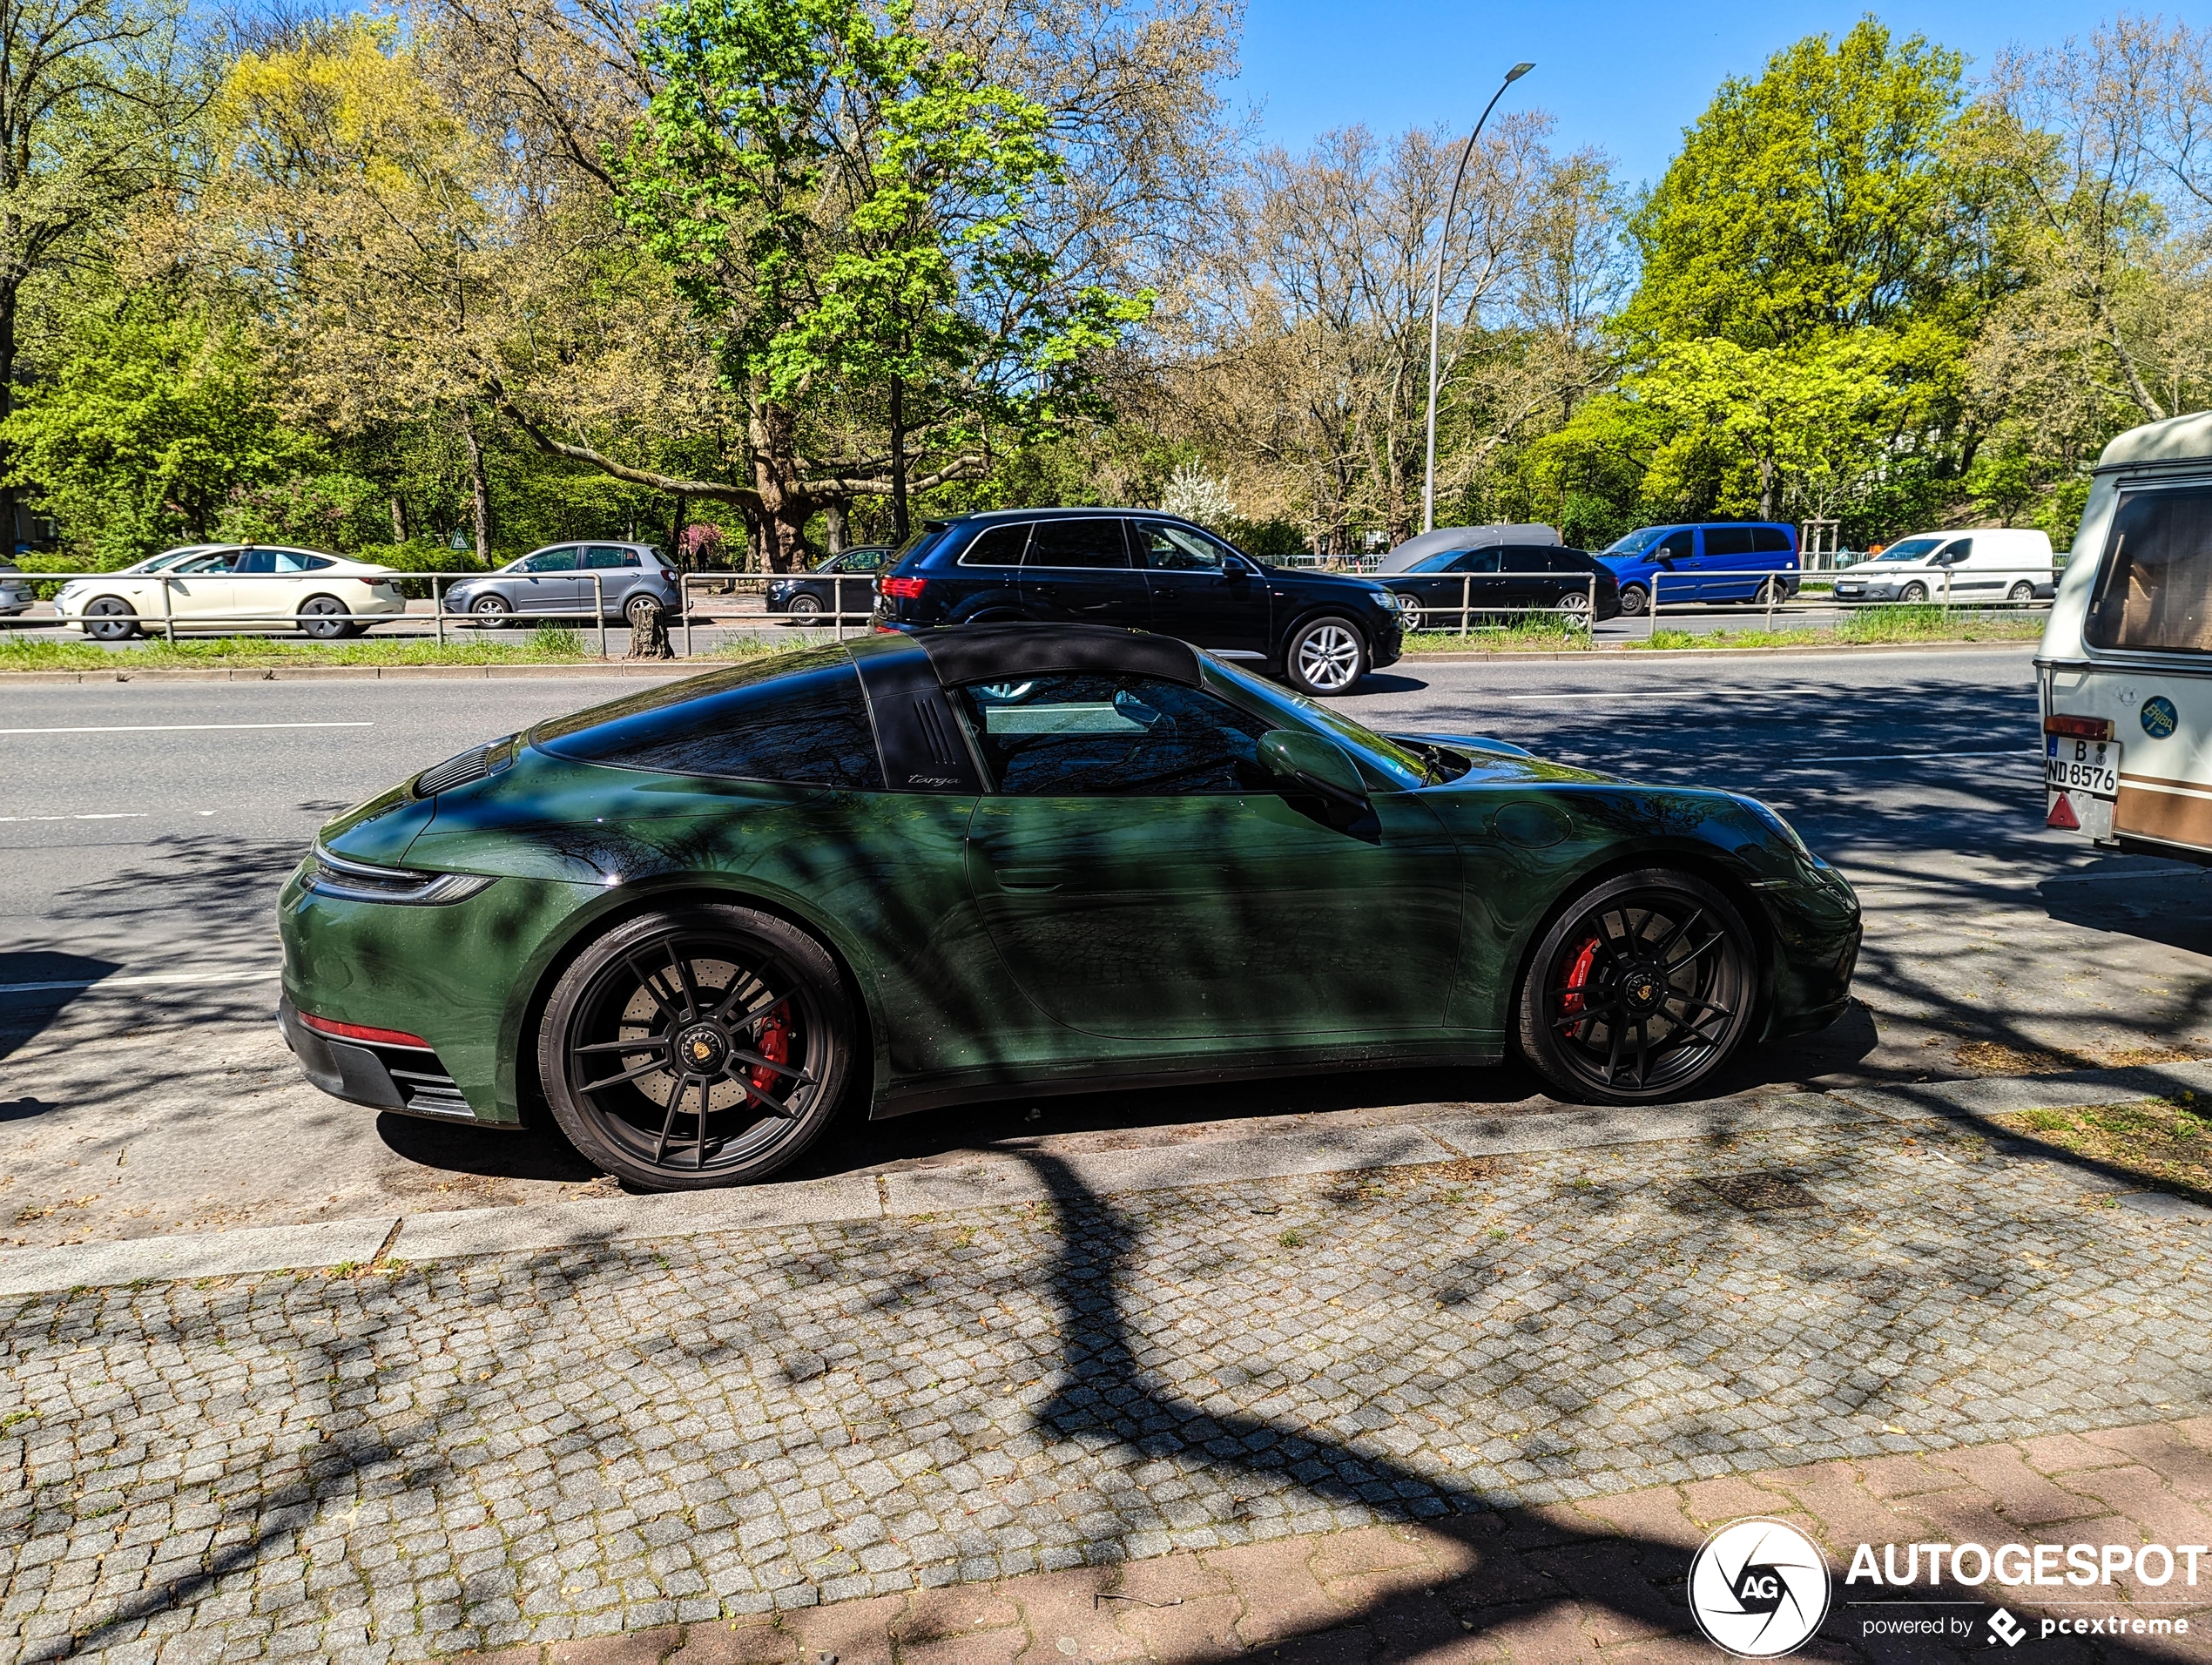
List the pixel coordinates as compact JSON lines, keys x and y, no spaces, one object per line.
{"x":549,"y":1425}
{"x":1602,"y":1580}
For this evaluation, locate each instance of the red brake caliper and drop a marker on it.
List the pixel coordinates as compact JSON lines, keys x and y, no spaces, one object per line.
{"x":774,"y":1045}
{"x":1578,"y":978}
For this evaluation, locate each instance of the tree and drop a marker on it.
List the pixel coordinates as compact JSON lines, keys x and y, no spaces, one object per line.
{"x":1817,"y":197}
{"x":149,"y":414}
{"x":93,"y":93}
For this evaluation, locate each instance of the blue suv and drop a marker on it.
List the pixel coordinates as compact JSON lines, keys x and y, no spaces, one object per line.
{"x":1709,"y":562}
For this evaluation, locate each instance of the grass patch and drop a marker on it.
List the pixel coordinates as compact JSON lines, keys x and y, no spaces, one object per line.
{"x":2164,"y":1142}
{"x":1875,"y":626}
{"x":1541,"y":632}
{"x":552,"y":644}
{"x":1752,"y":639}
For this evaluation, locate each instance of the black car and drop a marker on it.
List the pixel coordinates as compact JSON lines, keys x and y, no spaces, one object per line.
{"x":1319,"y":631}
{"x":824,"y":591}
{"x":1505,"y":580}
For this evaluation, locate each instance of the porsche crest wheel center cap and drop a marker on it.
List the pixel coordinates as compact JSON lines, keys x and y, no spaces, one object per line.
{"x":1643,"y":988}
{"x":702,"y":1050}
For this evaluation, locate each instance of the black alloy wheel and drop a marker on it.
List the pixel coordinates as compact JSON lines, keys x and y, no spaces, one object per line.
{"x":1634,"y":599}
{"x":326,"y":618}
{"x":1641,"y":990}
{"x":109,"y":618}
{"x":698,"y":1047}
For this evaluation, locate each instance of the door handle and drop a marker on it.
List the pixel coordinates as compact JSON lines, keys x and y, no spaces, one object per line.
{"x":1028,"y":878}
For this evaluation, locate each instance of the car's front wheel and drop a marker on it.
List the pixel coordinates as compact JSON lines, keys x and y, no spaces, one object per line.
{"x":1913,"y":593}
{"x":109,"y":618}
{"x":1642,"y":988}
{"x":1634,"y":599}
{"x":697,"y":1047}
{"x":804,"y":605}
{"x":1325,"y":657}
{"x":491,"y":612}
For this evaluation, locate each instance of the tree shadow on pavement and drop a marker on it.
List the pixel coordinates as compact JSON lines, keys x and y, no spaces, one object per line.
{"x":27,"y":1008}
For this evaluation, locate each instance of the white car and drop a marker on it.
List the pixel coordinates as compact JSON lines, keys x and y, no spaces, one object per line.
{"x":1983,"y":565}
{"x":225,"y":586}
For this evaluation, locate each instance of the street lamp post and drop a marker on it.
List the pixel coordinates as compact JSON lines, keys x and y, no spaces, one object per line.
{"x":1436,"y":291}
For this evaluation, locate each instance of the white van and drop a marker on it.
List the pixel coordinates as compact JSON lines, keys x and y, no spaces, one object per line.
{"x":1986,"y":564}
{"x":2125,"y":672}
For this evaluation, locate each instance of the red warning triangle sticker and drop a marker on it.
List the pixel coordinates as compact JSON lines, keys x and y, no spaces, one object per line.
{"x":2062,"y":813}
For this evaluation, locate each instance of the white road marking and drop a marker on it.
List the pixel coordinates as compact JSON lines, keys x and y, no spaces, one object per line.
{"x":236,"y":975}
{"x":116,"y":815}
{"x":1891,"y":757}
{"x":179,"y":728}
{"x":1671,"y":693}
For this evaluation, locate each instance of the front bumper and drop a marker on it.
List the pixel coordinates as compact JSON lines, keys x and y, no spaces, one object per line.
{"x":406,"y":1080}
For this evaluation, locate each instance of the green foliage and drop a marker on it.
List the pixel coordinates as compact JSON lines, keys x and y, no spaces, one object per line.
{"x":325,"y":511}
{"x":150,"y":413}
{"x":1278,"y":539}
{"x":1815,"y":199}
{"x":420,"y":556}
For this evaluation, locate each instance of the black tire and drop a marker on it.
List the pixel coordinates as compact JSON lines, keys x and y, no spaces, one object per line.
{"x":2021,"y":591}
{"x":1913,"y":593}
{"x":1768,"y":592}
{"x":110,"y":618}
{"x":767,"y":1038}
{"x":1634,"y":599}
{"x":1325,"y":657}
{"x":1676,"y":1002}
{"x":326,"y":618}
{"x":804,"y":605}
{"x":492,"y":612}
{"x":641,"y":611}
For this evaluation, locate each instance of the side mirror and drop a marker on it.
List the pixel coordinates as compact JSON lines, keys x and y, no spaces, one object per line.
{"x":1235,"y":571}
{"x":1319,"y":765}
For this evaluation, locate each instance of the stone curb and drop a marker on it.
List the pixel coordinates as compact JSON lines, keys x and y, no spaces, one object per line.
{"x":995,"y":1179}
{"x":684,"y":667}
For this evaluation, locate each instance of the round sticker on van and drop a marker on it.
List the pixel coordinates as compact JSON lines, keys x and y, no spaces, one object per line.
{"x":2160,"y":718}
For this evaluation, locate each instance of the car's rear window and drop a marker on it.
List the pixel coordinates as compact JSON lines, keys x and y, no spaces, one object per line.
{"x":799,"y":718}
{"x":2155,"y":591}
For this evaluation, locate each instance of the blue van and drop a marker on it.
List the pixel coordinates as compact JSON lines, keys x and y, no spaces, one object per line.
{"x":1719,"y":560}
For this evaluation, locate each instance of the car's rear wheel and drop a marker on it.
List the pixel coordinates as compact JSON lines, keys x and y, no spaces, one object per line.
{"x":1325,"y":657}
{"x":1640,"y":991}
{"x":1634,"y":599}
{"x":1768,"y":592}
{"x":326,"y":618}
{"x":805,"y":604}
{"x":1574,"y":607}
{"x":491,"y":612}
{"x":2021,"y":591}
{"x":697,"y":1047}
{"x":109,"y":618}
{"x":641,"y":611}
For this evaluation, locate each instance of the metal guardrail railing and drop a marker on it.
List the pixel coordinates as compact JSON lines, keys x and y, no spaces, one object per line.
{"x":715,"y":599}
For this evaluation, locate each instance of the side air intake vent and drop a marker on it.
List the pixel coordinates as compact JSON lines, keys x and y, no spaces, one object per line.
{"x":473,"y":764}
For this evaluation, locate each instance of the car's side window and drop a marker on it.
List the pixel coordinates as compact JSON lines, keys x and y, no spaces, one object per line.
{"x":1770,"y":540}
{"x":298,"y":561}
{"x":602,"y":558}
{"x":1476,"y":561}
{"x":1101,"y":735}
{"x":860,"y":561}
{"x":1161,"y":546}
{"x":256,"y":562}
{"x":1955,"y":551}
{"x":809,"y":728}
{"x":1730,"y":540}
{"x":1677,"y":546}
{"x":551,"y":561}
{"x":1077,"y":543}
{"x":996,"y":546}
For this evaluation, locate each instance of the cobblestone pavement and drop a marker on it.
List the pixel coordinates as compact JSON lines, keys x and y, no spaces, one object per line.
{"x":398,"y":1460}
{"x":1603,"y":1582}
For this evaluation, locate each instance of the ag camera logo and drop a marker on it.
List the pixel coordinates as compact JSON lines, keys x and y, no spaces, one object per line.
{"x":1758,"y":1588}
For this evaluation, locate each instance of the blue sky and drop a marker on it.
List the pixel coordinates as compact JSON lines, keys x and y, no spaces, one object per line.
{"x":1626,"y":77}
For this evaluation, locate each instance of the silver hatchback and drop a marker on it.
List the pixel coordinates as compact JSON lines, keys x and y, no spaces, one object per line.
{"x":560,"y":579}
{"x":15,"y":590}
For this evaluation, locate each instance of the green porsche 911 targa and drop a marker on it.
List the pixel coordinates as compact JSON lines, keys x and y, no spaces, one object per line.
{"x":1018,"y":859}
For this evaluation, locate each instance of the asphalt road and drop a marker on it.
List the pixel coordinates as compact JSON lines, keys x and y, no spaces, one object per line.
{"x":143,"y":831}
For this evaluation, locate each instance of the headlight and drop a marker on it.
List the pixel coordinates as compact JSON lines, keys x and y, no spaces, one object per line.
{"x":1391,"y":599}
{"x":1768,"y":814}
{"x":358,"y":881}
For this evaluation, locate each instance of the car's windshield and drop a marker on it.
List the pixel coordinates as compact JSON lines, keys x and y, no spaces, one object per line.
{"x":1636,"y":542}
{"x":1393,"y":761}
{"x":1912,"y":549}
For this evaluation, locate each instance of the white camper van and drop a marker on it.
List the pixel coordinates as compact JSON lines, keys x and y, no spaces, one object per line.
{"x":1983,"y":565}
{"x":2125,"y":672}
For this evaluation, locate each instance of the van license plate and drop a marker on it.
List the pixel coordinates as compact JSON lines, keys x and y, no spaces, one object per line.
{"x":2091,"y":766}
